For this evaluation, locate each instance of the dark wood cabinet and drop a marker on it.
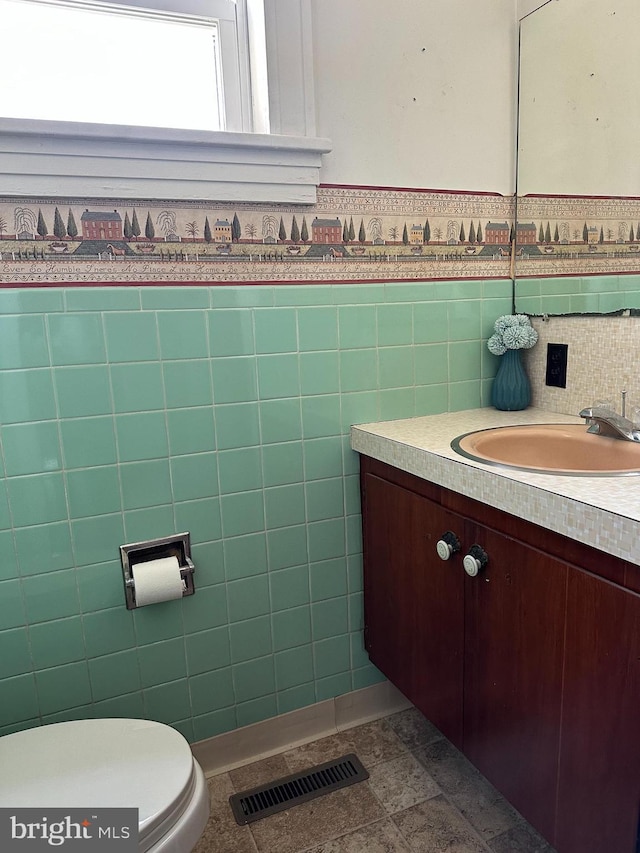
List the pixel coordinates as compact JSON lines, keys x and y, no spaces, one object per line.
{"x":532,"y":667}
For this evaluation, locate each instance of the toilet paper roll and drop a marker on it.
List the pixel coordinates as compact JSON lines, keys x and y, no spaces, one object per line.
{"x":157,"y":580}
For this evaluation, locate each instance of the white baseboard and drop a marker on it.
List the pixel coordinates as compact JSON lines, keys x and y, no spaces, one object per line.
{"x":269,"y":737}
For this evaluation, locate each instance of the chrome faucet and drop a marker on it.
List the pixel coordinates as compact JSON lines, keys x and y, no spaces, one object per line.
{"x":605,"y":421}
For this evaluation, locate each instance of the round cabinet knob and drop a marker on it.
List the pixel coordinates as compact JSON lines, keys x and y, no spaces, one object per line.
{"x":475,"y":561}
{"x":447,"y":545}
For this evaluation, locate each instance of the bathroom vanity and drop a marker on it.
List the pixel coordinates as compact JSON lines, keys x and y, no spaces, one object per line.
{"x":527,"y":656}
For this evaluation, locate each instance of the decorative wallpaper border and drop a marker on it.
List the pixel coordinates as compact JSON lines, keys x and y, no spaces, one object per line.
{"x":577,"y":235}
{"x":351,"y":234}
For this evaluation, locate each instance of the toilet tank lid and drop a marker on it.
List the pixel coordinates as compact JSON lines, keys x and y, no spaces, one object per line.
{"x":105,"y":763}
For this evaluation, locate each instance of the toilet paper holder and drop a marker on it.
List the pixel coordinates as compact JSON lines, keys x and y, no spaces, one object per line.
{"x":178,"y":546}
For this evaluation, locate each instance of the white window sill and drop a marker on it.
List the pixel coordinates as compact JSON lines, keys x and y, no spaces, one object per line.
{"x":48,"y":158}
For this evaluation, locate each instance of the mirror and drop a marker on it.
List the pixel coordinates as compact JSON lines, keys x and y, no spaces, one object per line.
{"x":578,"y":171}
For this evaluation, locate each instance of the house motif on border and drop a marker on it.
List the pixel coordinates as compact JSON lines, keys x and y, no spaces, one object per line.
{"x":496,"y":233}
{"x":526,"y":234}
{"x":326,"y":230}
{"x":98,"y":225}
{"x":222,"y":231}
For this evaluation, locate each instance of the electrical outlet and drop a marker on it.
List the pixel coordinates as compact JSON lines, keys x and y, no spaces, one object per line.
{"x":557,"y":365}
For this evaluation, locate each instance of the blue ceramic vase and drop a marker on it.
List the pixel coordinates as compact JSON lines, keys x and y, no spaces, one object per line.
{"x":511,"y":389}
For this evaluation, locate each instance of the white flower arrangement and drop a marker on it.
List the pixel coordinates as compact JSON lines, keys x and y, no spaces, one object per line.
{"x":512,"y":331}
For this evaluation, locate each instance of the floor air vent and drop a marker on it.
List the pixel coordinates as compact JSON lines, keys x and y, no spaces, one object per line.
{"x":256,"y":803}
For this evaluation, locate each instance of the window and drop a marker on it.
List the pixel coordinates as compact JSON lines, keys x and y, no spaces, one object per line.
{"x":189,"y":99}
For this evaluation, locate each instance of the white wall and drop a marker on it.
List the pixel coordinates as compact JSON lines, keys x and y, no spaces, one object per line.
{"x":417,"y":94}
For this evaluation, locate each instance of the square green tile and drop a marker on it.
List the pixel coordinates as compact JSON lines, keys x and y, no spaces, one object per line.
{"x":201,"y":518}
{"x":108,"y":631}
{"x":207,"y":650}
{"x":76,"y":339}
{"x":323,"y":458}
{"x":88,"y":441}
{"x":54,"y":540}
{"x":97,"y":539}
{"x":247,"y":598}
{"x":250,"y":638}
{"x":99,"y":586}
{"x":19,"y":699}
{"x":317,"y":328}
{"x":16,"y":654}
{"x":464,"y":395}
{"x":242,"y":513}
{"x":334,"y":685}
{"x":141,"y":436}
{"x":152,"y":522}
{"x":357,"y":326}
{"x":183,"y":334}
{"x":207,"y":609}
{"x":328,"y":579}
{"x":275,"y":330}
{"x":191,"y":430}
{"x":430,"y":322}
{"x":253,"y":679}
{"x":358,"y":408}
{"x":291,"y":627}
{"x":465,"y":320}
{"x":329,"y":618}
{"x":129,"y":706}
{"x":194,"y":476}
{"x":395,"y":325}
{"x":187,"y":383}
{"x":231,"y":332}
{"x":234,"y":380}
{"x":397,"y":403}
{"x":358,"y":370}
{"x":211,"y":691}
{"x":284,"y":505}
{"x":241,"y":297}
{"x":162,"y":662}
{"x":282,"y":463}
{"x":431,"y":364}
{"x":9,"y":563}
{"x":168,"y":298}
{"x":37,"y":499}
{"x":209,"y":558}
{"x":93,"y":491}
{"x":237,"y":425}
{"x":58,"y":642}
{"x":287,"y":546}
{"x":307,"y":294}
{"x":168,"y":703}
{"x":11,"y":606}
{"x":293,"y":666}
{"x":63,"y":687}
{"x":332,"y":656}
{"x":319,"y":373}
{"x":326,"y":539}
{"x":26,"y":395}
{"x":163,"y":621}
{"x":145,"y":483}
{"x":102,"y":298}
{"x":464,"y":360}
{"x":245,"y":556}
{"x":296,"y":698}
{"x":31,"y":448}
{"x":325,"y":499}
{"x":137,"y":387}
{"x":114,"y":675}
{"x":395,"y":367}
{"x":23,"y":341}
{"x":280,"y":420}
{"x":321,"y":416}
{"x":240,"y":470}
{"x":256,"y":710}
{"x":278,"y":376}
{"x":31,"y":300}
{"x":431,"y":399}
{"x":83,"y":391}
{"x":131,"y":336}
{"x":289,"y":588}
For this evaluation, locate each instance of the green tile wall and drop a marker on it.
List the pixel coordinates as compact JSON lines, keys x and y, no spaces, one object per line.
{"x":130,"y":413}
{"x":597,"y":294}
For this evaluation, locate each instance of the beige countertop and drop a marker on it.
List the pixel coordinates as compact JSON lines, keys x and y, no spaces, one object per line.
{"x":602,"y":511}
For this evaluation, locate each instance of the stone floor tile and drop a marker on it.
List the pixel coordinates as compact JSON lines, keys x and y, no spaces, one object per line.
{"x":222,"y":834}
{"x":436,"y":825}
{"x":521,"y":839}
{"x":479,"y":802}
{"x":401,"y":782}
{"x":317,"y":821}
{"x":379,"y":837}
{"x":413,"y":728}
{"x":259,"y":773}
{"x":372,"y":743}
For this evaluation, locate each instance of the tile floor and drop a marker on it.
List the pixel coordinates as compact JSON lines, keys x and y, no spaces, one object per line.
{"x":422,"y":795}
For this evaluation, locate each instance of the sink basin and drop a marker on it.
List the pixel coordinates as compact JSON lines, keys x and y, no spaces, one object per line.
{"x":551,"y":449}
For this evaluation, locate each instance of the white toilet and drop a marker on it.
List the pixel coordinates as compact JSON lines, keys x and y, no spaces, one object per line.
{"x":110,"y":763}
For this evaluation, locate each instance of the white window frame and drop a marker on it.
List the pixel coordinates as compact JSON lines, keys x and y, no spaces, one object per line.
{"x":74,"y":159}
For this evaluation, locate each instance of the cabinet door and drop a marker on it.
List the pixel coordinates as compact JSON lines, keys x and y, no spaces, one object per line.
{"x":515,"y":611}
{"x":413,"y":601}
{"x":599,"y":788}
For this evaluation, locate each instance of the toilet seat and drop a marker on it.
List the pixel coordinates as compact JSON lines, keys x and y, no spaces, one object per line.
{"x":109,"y":763}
